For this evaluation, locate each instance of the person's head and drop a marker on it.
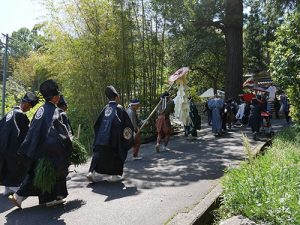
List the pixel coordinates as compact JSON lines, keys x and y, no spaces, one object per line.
{"x":254,"y":101}
{"x":135,"y":104}
{"x":28,"y":101}
{"x":50,"y":92}
{"x":62,"y":103}
{"x":111,"y":93}
{"x":165,"y":95}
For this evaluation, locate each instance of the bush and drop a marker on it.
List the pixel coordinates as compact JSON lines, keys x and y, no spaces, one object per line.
{"x":267,"y":188}
{"x":79,"y":154}
{"x":285,"y":66}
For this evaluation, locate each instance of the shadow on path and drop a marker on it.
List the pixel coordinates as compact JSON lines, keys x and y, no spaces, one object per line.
{"x":113,"y":190}
{"x":42,"y":214}
{"x":4,"y":204}
{"x":189,"y":160}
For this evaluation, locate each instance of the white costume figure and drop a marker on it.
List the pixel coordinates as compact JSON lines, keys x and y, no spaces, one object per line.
{"x":182,"y":107}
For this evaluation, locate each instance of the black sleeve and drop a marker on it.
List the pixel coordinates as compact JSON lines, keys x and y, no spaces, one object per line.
{"x":66,"y":122}
{"x":33,"y":138}
{"x":23,"y":125}
{"x":2,"y":121}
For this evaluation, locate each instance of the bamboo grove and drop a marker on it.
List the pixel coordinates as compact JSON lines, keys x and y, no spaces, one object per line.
{"x":100,"y":42}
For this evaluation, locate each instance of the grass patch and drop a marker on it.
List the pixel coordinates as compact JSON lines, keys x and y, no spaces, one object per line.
{"x":266,"y":188}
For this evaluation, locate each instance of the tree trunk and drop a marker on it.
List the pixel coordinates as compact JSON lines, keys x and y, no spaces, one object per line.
{"x":234,"y":47}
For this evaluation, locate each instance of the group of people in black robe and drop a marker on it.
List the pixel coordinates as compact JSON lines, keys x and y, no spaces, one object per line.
{"x":13,"y":128}
{"x":49,"y":136}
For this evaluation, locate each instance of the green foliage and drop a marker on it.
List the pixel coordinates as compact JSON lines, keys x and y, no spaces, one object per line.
{"x":98,"y":43}
{"x":24,"y":41}
{"x":31,"y":71}
{"x":21,"y":43}
{"x":285,"y":58}
{"x":202,"y":49}
{"x":260,"y":26}
{"x":45,"y":175}
{"x":254,"y":40}
{"x":79,"y":154}
{"x":14,"y":93}
{"x":266,"y":188}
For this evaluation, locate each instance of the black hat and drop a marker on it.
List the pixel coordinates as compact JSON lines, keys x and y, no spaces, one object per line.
{"x":135,"y":102}
{"x":111,"y":92}
{"x":165,"y":94}
{"x":31,"y":98}
{"x":62,"y":102}
{"x":48,"y":89}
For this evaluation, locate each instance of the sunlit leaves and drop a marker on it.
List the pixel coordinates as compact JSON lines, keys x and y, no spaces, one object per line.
{"x":285,"y":55}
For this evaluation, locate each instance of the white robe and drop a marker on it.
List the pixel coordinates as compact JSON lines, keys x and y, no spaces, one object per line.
{"x":241,"y":111}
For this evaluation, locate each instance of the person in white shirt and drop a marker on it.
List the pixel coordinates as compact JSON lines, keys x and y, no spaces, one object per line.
{"x":272,"y":91}
{"x":272,"y":95}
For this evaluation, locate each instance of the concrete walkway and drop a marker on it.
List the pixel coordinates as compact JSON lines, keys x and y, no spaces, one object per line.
{"x":154,"y":190}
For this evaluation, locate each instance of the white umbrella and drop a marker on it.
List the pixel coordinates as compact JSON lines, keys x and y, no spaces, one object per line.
{"x":210,"y":93}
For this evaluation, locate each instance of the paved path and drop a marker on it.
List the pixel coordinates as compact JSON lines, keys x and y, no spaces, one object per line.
{"x":153,"y":191}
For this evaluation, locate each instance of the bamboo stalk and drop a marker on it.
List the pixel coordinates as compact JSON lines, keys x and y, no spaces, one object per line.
{"x":78,"y":131}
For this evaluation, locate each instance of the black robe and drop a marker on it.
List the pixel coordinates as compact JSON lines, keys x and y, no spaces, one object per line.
{"x":49,"y":137}
{"x":113,"y":138}
{"x":13,"y":129}
{"x":195,"y":119}
{"x":255,"y":117}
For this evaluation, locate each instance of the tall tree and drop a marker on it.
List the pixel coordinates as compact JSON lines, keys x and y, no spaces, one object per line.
{"x":224,"y":15}
{"x":21,"y":43}
{"x":233,"y":28}
{"x":254,"y":36}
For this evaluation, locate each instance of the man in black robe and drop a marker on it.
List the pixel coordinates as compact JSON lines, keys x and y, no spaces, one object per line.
{"x":13,"y":129}
{"x":195,"y":118}
{"x":64,"y":106}
{"x":48,"y":137}
{"x":113,"y":138}
{"x":255,"y":117}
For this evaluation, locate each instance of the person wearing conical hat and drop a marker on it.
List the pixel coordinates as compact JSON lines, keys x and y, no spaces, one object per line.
{"x":13,"y":129}
{"x":47,"y":138}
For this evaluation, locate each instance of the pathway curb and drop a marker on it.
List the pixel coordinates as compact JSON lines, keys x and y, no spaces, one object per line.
{"x":201,"y":213}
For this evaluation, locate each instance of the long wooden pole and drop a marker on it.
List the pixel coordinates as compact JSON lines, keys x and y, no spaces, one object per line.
{"x":154,"y":110}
